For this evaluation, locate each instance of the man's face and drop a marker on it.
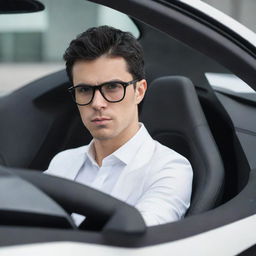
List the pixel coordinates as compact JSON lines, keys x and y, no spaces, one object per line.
{"x":105,"y":120}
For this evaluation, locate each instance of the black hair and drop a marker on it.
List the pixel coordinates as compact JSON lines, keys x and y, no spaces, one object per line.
{"x":109,"y":41}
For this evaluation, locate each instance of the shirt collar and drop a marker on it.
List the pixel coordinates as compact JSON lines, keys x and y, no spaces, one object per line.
{"x":126,"y":152}
{"x":91,"y":153}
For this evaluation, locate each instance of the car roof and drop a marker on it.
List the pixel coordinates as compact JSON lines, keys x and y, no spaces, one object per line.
{"x":224,"y":19}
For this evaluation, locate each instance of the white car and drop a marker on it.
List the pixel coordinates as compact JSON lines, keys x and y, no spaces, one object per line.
{"x":192,"y":52}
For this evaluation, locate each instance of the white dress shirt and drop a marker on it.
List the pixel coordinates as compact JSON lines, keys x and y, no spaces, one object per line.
{"x":143,"y":173}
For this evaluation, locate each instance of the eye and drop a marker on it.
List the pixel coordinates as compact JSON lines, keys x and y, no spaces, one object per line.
{"x":84,"y":89}
{"x":112,"y":86}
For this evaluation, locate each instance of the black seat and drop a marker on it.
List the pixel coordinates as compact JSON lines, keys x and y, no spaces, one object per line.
{"x":172,"y":114}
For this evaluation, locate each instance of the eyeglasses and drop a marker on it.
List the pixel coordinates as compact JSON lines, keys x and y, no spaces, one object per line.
{"x":112,"y":91}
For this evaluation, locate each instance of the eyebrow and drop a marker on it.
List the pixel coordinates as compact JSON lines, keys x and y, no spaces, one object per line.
{"x":110,"y":81}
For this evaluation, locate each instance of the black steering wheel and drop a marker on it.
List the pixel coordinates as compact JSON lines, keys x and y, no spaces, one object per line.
{"x":34,"y":198}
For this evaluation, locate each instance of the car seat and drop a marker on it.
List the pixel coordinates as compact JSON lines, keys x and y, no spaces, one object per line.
{"x":172,"y":114}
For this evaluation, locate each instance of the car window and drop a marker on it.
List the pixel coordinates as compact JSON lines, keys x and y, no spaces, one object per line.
{"x":32,"y":45}
{"x":229,"y":82}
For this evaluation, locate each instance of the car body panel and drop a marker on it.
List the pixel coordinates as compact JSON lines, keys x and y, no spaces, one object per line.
{"x":195,"y":245}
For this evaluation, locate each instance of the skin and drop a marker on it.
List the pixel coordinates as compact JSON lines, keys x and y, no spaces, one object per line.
{"x":110,"y":124}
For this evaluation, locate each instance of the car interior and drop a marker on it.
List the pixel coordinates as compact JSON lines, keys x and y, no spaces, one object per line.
{"x":180,"y":110}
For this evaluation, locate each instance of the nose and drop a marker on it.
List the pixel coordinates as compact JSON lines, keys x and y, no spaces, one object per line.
{"x":98,"y":101}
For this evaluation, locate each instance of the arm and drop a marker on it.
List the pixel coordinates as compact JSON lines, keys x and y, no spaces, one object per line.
{"x":167,"y":194}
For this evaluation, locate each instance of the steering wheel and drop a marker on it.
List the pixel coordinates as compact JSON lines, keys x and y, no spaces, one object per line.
{"x":61,"y":196}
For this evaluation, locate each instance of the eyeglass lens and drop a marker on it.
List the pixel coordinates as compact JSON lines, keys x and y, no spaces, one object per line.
{"x":112,"y":92}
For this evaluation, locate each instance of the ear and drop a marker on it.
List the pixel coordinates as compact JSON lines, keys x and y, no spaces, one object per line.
{"x":140,"y":90}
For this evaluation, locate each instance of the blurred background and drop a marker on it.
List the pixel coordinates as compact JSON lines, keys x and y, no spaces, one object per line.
{"x":32,"y":45}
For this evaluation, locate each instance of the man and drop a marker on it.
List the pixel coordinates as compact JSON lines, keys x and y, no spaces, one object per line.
{"x":106,"y":69}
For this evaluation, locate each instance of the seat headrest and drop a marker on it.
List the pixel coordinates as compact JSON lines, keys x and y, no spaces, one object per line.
{"x":171,"y":101}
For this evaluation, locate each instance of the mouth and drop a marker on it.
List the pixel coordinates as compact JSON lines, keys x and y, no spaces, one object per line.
{"x":101,"y":120}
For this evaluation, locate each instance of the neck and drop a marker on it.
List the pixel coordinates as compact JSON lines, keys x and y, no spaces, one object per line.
{"x":104,"y":148}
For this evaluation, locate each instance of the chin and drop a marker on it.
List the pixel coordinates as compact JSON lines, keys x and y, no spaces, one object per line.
{"x":102,"y":135}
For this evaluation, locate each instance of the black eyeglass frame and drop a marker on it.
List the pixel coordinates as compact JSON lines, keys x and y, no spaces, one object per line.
{"x":98,"y":87}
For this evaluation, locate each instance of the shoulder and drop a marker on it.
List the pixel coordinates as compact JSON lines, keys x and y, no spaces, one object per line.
{"x":71,"y":152}
{"x":159,"y":155}
{"x":167,"y":154}
{"x":66,"y":158}
{"x":168,"y":163}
